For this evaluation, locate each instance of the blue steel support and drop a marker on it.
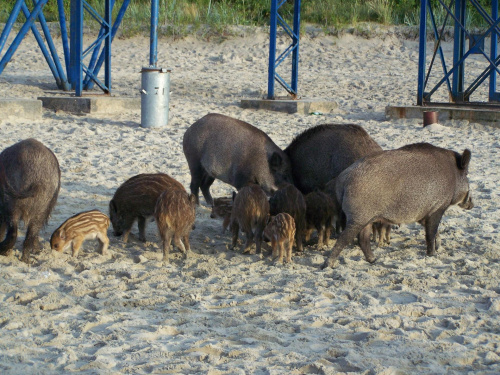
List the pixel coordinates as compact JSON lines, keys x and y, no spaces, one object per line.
{"x":107,"y":44}
{"x":294,"y":34}
{"x":493,"y":95}
{"x":272,"y":48}
{"x":94,"y":69}
{"x":24,"y":29}
{"x":76,"y":46}
{"x":10,"y":23}
{"x":64,"y":35}
{"x":457,"y":87}
{"x":153,"y":52}
{"x":422,"y":52}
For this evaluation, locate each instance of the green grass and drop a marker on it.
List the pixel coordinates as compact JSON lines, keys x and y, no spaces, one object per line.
{"x":180,"y":17}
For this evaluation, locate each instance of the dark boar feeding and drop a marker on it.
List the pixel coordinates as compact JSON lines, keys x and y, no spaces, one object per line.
{"x":415,"y":183}
{"x":222,"y":208}
{"x":235,"y":152}
{"x":135,"y":199}
{"x":175,"y":214}
{"x":320,"y":211}
{"x":29,"y":185}
{"x":249,"y":213}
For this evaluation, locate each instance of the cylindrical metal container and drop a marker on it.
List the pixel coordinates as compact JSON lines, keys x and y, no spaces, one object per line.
{"x":155,"y":95}
{"x":430,"y":117}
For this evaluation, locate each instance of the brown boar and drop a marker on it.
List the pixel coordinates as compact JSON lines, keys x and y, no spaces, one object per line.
{"x":415,"y":183}
{"x":222,"y":208}
{"x":250,"y":210}
{"x":136,"y":199}
{"x":175,"y":214}
{"x":235,"y":152}
{"x":84,"y":226}
{"x":290,"y":200}
{"x":281,"y":231}
{"x":30,"y":179}
{"x":320,"y":211}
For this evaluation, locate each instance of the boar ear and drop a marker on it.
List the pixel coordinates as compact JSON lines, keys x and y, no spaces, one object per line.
{"x":112,"y":207}
{"x":62,"y":234}
{"x":465,"y":159}
{"x":234,"y":195}
{"x":276,"y":161}
{"x":192,"y":198}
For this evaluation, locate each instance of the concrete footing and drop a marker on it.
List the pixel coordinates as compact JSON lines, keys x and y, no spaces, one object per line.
{"x":303,"y":106}
{"x":15,"y":108}
{"x":487,"y":116}
{"x":82,"y":105}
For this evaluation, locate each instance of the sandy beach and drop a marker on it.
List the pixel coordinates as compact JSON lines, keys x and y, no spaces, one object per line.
{"x":222,"y":312}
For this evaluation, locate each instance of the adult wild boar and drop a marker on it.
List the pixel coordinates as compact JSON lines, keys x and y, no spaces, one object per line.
{"x":30,"y":179}
{"x":235,"y":152}
{"x":416,"y":182}
{"x":320,"y":153}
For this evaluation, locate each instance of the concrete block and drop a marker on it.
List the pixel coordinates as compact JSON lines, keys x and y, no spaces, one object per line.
{"x":15,"y":108}
{"x":81,"y":105}
{"x":303,"y":106}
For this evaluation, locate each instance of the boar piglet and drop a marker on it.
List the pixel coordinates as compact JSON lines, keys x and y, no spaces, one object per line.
{"x":175,"y":214}
{"x":84,"y":226}
{"x":235,"y":152}
{"x":135,"y":199}
{"x":415,"y":183}
{"x":290,"y":200}
{"x":381,"y":232}
{"x":320,"y":153}
{"x":320,"y":211}
{"x":249,"y":213}
{"x":281,"y":231}
{"x":29,"y":185}
{"x":222,"y":208}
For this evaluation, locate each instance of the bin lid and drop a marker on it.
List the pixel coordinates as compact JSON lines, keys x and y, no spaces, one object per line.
{"x":146,"y":69}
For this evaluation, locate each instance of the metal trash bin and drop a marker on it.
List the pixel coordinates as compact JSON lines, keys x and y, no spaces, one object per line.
{"x":155,"y":96}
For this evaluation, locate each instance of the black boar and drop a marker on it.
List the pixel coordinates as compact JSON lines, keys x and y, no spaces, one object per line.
{"x":320,"y":211}
{"x":136,"y":199}
{"x":175,"y":215}
{"x":233,"y":151}
{"x":320,"y":153}
{"x":417,"y":182}
{"x":290,"y":200}
{"x":281,"y":231}
{"x":250,"y":213}
{"x":30,"y":179}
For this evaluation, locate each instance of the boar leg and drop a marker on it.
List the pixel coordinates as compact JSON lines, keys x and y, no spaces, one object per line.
{"x":10,"y":239}
{"x":235,"y":228}
{"x":298,"y":239}
{"x":167,"y":239}
{"x":104,"y":243}
{"x":364,"y":243}
{"x":431,"y":231}
{"x":185,"y":240}
{"x":351,"y":231}
{"x":246,"y":247}
{"x":388,"y":234}
{"x":141,"y":224}
{"x":274,"y":245}
{"x":179,"y":244}
{"x":31,"y":243}
{"x":321,"y":235}
{"x":3,"y":228}
{"x":289,"y":250}
{"x":280,"y":250}
{"x":206,"y":182}
{"x":75,"y":246}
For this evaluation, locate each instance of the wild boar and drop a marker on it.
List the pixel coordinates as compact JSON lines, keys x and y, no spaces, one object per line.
{"x":30,"y":180}
{"x":136,"y":199}
{"x":84,"y":226}
{"x":290,"y":200}
{"x":320,"y":153}
{"x":222,"y":208}
{"x":338,"y":216}
{"x":281,"y":230}
{"x":235,"y":152}
{"x":175,"y":214}
{"x":320,"y":211}
{"x":417,"y":182}
{"x":250,"y":210}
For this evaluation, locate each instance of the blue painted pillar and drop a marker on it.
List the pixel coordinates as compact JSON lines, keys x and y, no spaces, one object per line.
{"x":295,"y":43}
{"x":493,"y":96}
{"x":457,"y":88}
{"x":76,"y":46}
{"x":272,"y":48}
{"x":422,"y":52}
{"x":153,"y":51}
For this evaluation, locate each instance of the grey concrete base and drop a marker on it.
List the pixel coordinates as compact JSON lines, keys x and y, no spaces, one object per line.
{"x":488,"y":116}
{"x":304,"y":106}
{"x":29,"y":109}
{"x":82,"y":105}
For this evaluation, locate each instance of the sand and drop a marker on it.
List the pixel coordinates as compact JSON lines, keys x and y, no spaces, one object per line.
{"x":222,"y":312}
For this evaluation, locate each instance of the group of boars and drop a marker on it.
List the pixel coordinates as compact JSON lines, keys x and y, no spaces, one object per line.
{"x":332,"y":176}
